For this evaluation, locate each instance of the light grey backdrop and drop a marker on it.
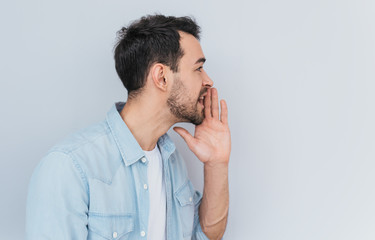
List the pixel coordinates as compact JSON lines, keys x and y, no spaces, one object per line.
{"x":298,"y":77}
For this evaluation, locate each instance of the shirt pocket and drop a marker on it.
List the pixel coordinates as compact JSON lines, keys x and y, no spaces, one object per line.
{"x":185,"y":198}
{"x":104,"y":226}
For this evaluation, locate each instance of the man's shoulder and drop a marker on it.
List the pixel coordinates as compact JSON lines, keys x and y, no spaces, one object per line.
{"x":93,"y":150}
{"x":84,"y":137}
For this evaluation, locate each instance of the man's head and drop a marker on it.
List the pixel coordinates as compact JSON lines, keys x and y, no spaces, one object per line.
{"x":158,"y":47}
{"x":151,"y":39}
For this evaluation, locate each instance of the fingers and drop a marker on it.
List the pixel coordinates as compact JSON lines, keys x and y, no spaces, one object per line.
{"x":188,"y":138}
{"x":211,"y":106}
{"x":207,"y":104}
{"x":224,"y":112}
{"x":215,"y":103}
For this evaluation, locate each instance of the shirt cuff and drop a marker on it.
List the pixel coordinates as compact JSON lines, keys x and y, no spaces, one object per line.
{"x":199,"y":235}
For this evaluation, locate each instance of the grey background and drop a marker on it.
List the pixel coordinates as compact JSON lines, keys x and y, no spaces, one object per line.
{"x":298,"y":77}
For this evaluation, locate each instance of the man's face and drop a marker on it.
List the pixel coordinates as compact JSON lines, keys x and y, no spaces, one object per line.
{"x":190,"y":83}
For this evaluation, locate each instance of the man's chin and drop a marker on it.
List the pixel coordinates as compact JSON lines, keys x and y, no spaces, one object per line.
{"x":195,"y":119}
{"x":198,"y":120}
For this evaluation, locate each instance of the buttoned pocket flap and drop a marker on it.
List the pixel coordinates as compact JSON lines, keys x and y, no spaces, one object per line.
{"x":185,"y":194}
{"x":111,"y":226}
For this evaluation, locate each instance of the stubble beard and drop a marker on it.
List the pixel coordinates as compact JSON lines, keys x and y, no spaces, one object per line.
{"x":181,"y":107}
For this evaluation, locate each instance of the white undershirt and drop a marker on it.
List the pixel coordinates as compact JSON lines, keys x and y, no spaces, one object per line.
{"x":156,"y":187}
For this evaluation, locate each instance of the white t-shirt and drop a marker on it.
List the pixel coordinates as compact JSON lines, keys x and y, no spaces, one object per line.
{"x":156,"y":187}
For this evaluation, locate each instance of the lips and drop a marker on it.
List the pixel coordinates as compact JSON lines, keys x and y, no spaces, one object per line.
{"x":203,"y":95}
{"x":201,"y":98}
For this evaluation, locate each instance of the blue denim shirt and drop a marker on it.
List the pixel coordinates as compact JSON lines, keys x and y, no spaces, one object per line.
{"x":92,"y":186}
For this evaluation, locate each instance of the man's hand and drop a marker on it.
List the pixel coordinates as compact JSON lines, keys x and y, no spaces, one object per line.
{"x":211,"y":142}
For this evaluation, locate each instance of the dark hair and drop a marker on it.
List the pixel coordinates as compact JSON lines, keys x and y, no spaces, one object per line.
{"x":151,"y":39}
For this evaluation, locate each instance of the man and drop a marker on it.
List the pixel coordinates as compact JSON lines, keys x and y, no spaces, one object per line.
{"x":123,"y":178}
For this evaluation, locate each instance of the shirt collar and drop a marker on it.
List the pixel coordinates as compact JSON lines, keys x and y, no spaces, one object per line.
{"x":128,"y":146}
{"x":166,"y":146}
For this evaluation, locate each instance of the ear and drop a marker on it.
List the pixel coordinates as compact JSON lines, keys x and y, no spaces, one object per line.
{"x":158,"y":75}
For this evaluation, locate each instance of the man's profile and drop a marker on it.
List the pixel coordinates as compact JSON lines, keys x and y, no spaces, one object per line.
{"x":123,"y":178}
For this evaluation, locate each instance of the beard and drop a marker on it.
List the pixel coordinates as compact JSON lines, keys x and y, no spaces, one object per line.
{"x":183,"y":108}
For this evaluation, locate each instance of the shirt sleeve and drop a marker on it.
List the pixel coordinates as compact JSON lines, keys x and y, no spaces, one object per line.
{"x":57,"y":201}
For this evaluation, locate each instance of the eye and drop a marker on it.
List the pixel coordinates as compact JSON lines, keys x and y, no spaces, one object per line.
{"x":200,"y":69}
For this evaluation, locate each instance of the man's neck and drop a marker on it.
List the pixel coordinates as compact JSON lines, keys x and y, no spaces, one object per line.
{"x":147,"y":120}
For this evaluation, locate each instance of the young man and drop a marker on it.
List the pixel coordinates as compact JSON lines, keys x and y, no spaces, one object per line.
{"x":123,"y":178}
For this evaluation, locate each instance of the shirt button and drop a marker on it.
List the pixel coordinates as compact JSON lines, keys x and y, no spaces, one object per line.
{"x":190,"y":199}
{"x":145,"y":186}
{"x":143,"y":160}
{"x":143,"y":234}
{"x":114,"y":235}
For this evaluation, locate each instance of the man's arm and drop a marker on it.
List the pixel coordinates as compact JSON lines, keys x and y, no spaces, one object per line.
{"x":57,"y":202}
{"x":213,"y":211}
{"x":211,"y":144}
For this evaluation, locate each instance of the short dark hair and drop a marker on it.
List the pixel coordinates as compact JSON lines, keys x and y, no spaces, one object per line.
{"x":151,"y":39}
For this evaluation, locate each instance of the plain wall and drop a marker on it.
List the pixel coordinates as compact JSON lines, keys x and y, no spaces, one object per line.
{"x":298,"y":77}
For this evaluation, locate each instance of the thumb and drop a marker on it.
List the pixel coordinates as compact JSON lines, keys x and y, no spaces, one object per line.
{"x":189,"y":139}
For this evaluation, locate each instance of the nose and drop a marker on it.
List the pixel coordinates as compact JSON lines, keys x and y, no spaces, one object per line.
{"x":207,"y":82}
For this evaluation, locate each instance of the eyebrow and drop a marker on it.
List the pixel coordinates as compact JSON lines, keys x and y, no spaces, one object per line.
{"x":200,"y":60}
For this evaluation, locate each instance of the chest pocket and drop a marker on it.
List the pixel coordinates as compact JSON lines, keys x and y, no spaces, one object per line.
{"x":185,"y":198}
{"x":110,"y":226}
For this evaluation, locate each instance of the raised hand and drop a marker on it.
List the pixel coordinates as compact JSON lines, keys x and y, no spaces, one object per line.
{"x":211,"y":141}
